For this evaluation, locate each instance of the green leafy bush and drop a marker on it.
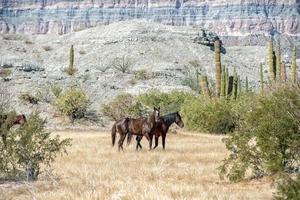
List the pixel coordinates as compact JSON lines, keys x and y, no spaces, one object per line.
{"x":73,"y":103}
{"x":124,"y":105}
{"x":208,"y":115}
{"x":28,"y":148}
{"x":267,"y":141}
{"x":288,"y":189}
{"x":168,"y":102}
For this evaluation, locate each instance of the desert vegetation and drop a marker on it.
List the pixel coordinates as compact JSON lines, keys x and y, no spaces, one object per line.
{"x":250,"y":134}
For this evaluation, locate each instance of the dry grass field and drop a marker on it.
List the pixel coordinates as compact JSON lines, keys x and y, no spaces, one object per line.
{"x":94,"y":170}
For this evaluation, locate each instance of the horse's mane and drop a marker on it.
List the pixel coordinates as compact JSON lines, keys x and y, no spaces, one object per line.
{"x":169,"y":118}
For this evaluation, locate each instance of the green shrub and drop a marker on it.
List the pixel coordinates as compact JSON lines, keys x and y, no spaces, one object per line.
{"x":288,"y":189}
{"x":208,"y":115}
{"x":28,"y":148}
{"x":267,"y":141}
{"x":124,"y":105}
{"x":168,"y":102}
{"x":73,"y":103}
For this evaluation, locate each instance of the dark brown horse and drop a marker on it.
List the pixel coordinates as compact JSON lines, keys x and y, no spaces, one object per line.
{"x":161,"y":128}
{"x":7,"y":121}
{"x":141,"y":126}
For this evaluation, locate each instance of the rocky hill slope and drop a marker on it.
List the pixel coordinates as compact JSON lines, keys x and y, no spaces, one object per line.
{"x":226,"y":17}
{"x":161,"y":57}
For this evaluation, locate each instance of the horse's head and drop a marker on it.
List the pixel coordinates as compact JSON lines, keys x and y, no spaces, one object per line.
{"x":156,"y":114}
{"x":179,"y":121}
{"x":20,"y":119}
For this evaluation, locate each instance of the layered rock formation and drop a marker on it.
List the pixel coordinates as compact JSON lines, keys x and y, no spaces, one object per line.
{"x":226,"y":17}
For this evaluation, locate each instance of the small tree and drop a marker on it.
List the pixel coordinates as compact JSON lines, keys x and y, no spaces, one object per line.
{"x":28,"y":148}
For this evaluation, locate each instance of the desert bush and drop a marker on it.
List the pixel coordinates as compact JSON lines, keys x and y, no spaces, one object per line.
{"x":122,"y":64}
{"x":267,"y":141}
{"x":28,"y":42}
{"x":191,"y":80}
{"x":28,"y":148}
{"x":5,"y":98}
{"x":28,"y":98}
{"x":168,"y":102}
{"x":123,"y":105}
{"x":5,"y":73}
{"x":141,"y":75}
{"x":73,"y":103}
{"x":208,"y":115}
{"x":56,"y":90}
{"x":288,"y":188}
{"x":82,"y":52}
{"x":47,"y":48}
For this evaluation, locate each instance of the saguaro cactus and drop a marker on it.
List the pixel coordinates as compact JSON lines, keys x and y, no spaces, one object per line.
{"x":239,"y":86}
{"x":261,"y":74}
{"x":247,"y":85}
{"x":71,"y":57}
{"x":278,"y":62}
{"x":218,"y":67}
{"x":204,"y":86}
{"x":235,"y":84}
{"x":283,"y":72}
{"x":271,"y":61}
{"x":294,"y":66}
{"x":226,"y":82}
{"x":223,"y":82}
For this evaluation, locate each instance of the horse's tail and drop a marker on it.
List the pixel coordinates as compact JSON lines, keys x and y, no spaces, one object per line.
{"x":113,"y":134}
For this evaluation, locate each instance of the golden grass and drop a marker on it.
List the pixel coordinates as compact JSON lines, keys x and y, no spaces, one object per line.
{"x":94,"y":170}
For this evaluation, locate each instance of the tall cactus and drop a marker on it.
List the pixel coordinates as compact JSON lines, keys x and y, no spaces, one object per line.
{"x":71,"y":57}
{"x":261,"y":74}
{"x":204,"y":86}
{"x":294,"y":66}
{"x":283,"y":72}
{"x":223,"y":82}
{"x":226,"y":82}
{"x":218,"y":67}
{"x":271,"y":61}
{"x":278,"y":63}
{"x":247,"y":85}
{"x":235,"y":83}
{"x":239,"y":86}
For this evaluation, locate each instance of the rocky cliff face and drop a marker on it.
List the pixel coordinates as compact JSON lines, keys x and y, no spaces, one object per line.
{"x":226,"y":17}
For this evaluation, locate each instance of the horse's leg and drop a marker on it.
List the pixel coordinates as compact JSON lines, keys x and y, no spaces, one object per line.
{"x":156,"y":142}
{"x":138,"y":140}
{"x":121,"y":140}
{"x":163,"y":140}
